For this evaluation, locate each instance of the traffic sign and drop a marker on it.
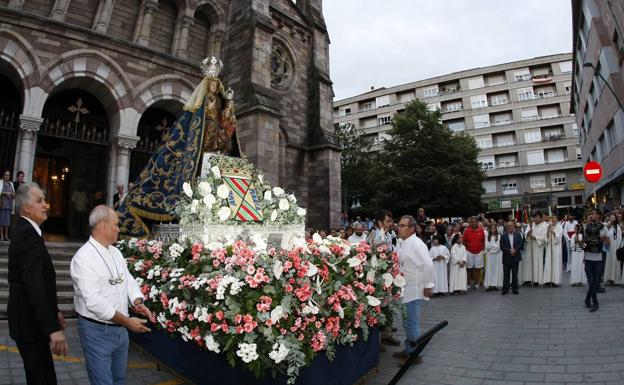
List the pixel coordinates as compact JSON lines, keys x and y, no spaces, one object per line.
{"x":592,"y":172}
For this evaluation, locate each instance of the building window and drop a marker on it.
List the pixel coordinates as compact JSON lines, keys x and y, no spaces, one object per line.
{"x":529,"y":114}
{"x":578,"y":199}
{"x":456,"y":125}
{"x":453,"y":106}
{"x":502,"y":118}
{"x":481,"y":121}
{"x":575,"y":130}
{"x":498,"y":99}
{"x":525,"y":93}
{"x":368,"y":106}
{"x":535,"y":157}
{"x":522,"y":74}
{"x":504,"y":140}
{"x":382,"y":101}
{"x":484,"y":141}
{"x":282,"y":68}
{"x":478,"y":101}
{"x":505,"y":161}
{"x":434,"y":107}
{"x":558,"y":180}
{"x":406,"y":97}
{"x":537,"y":181}
{"x":579,"y":155}
{"x":565,"y":67}
{"x":474,"y":83}
{"x":489,"y":186}
{"x":383,"y":120}
{"x":564,"y":201}
{"x":553,"y":133}
{"x":556,"y":155}
{"x":431,"y":92}
{"x":510,"y":187}
{"x":532,"y":136}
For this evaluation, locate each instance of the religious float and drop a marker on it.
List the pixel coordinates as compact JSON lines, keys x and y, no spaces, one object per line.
{"x":239,"y":296}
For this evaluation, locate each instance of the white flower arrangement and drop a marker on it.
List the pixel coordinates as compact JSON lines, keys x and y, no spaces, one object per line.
{"x":247,"y":352}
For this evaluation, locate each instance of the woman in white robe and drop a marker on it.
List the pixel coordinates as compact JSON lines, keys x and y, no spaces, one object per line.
{"x":493,"y":260}
{"x":440,"y":255}
{"x":612,"y":270}
{"x":553,"y":261}
{"x":577,"y":269}
{"x":458,"y":282}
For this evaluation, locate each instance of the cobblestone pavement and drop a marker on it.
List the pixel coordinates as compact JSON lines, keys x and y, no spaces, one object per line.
{"x":542,"y":336}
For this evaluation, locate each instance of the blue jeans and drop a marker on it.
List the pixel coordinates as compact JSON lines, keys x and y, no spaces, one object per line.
{"x":411,"y":323}
{"x":106,"y":352}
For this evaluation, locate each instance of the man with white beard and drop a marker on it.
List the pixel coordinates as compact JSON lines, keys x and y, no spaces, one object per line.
{"x":538,"y":234}
{"x":553,"y":260}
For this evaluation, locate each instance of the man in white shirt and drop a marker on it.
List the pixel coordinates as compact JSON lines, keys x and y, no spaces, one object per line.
{"x":102,"y":288}
{"x":358,"y":234}
{"x":417,"y":267}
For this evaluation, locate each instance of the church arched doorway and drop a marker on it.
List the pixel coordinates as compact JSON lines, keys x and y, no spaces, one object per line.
{"x":153,"y":126}
{"x":71,"y":162}
{"x":10,"y":110}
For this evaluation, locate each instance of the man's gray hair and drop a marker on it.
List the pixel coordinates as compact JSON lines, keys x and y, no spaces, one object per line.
{"x":410,"y":219}
{"x":23,"y":196}
{"x":98,"y":214}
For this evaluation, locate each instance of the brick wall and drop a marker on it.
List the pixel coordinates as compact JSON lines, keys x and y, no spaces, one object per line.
{"x":198,"y":36}
{"x":124,"y":19}
{"x":81,"y":12}
{"x":163,"y":26}
{"x":38,"y":7}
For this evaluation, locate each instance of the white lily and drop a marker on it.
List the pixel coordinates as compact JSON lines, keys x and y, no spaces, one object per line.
{"x":278,"y":191}
{"x":301,"y":211}
{"x":374,"y":261}
{"x":209,"y":200}
{"x":316,"y":237}
{"x":273,"y":215}
{"x":373,"y":301}
{"x":224,"y":213}
{"x":353,"y":262}
{"x":341,"y":312}
{"x":216,"y":172}
{"x":312,"y":270}
{"x":370,"y":276}
{"x":186,"y":186}
{"x":399,"y":281}
{"x":283,"y":204}
{"x":387,"y":277}
{"x":268,"y":196}
{"x":204,"y":188}
{"x":277,"y":313}
{"x":223,"y":191}
{"x":278,"y":269}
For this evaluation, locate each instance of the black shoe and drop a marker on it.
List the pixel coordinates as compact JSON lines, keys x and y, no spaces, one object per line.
{"x":504,"y":292}
{"x":602,"y":290}
{"x":516,"y":292}
{"x":593,"y":308}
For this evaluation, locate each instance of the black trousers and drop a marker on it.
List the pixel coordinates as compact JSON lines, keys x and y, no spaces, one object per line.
{"x":593,"y":270}
{"x":38,"y":363}
{"x":510,"y":269}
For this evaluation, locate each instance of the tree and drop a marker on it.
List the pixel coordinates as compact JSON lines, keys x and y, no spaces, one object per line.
{"x":355,"y":160}
{"x":424,"y":164}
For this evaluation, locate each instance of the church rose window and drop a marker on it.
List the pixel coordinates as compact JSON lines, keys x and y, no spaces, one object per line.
{"x":282,"y":69}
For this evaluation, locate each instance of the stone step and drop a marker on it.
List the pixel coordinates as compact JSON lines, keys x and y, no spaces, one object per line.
{"x":65,"y":308}
{"x":62,"y":297}
{"x":58,"y":264}
{"x":60,"y":273}
{"x":61,"y":285}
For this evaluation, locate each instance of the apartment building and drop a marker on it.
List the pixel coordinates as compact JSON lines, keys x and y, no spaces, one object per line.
{"x":518,"y":114}
{"x":598,"y":92}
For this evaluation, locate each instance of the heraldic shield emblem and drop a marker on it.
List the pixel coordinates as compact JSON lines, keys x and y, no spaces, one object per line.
{"x":243,"y":199}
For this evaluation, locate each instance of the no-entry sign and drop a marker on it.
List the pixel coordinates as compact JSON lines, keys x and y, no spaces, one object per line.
{"x":592,"y":172}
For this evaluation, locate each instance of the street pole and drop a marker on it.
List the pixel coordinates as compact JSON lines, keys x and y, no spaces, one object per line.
{"x":590,"y":65}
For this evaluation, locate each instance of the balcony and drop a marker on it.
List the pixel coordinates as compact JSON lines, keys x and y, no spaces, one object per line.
{"x":507,"y":164}
{"x":553,"y":137}
{"x":451,"y":109}
{"x":498,"y":102}
{"x":503,"y":122}
{"x":542,"y":78}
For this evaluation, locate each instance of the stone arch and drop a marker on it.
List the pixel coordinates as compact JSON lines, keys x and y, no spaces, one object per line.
{"x":85,"y":65}
{"x":20,"y":55}
{"x":217,"y":24}
{"x":162,"y":87}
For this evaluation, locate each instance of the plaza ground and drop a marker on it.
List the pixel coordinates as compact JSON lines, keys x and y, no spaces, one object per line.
{"x":542,"y":336}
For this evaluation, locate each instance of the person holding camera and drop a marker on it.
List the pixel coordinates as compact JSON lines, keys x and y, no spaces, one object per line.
{"x":595,"y":238}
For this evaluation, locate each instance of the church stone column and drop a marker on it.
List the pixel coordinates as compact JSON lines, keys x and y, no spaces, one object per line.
{"x":181,"y":42}
{"x":144,"y":24}
{"x":103,"y":15}
{"x":125,"y":144}
{"x":29,"y":126}
{"x":59,"y":10}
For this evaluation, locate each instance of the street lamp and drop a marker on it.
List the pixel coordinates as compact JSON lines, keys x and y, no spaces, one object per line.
{"x":590,"y":65}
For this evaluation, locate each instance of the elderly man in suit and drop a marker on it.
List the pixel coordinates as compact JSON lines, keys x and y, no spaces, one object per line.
{"x":511,"y":246}
{"x":35,"y":322}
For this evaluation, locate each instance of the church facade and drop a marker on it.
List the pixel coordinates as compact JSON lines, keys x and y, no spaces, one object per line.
{"x":90,"y":86}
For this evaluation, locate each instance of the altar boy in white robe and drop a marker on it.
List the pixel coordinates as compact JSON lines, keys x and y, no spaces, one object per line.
{"x":494,"y":259}
{"x":458,"y":280}
{"x":538,"y":234}
{"x":553,"y":261}
{"x":526,"y":264}
{"x":440,"y":255}
{"x":613,"y":269}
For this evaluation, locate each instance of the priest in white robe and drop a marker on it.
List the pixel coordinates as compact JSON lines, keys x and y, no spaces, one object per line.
{"x":458,"y":281}
{"x":493,"y":259}
{"x":553,"y":261}
{"x":440,"y":255}
{"x":613,"y":270}
{"x":538,"y":234}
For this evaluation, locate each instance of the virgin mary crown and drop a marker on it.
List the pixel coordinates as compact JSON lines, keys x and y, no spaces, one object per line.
{"x":211,"y":67}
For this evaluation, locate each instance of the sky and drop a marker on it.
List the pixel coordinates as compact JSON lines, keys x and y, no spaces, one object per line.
{"x":392,"y":42}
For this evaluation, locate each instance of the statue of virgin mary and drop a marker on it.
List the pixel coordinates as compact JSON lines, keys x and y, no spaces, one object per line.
{"x":207,"y":125}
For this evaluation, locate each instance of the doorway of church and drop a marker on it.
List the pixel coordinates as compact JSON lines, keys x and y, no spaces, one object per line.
{"x":71,"y":162}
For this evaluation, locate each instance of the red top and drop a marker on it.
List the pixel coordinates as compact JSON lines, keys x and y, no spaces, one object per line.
{"x":474,"y":240}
